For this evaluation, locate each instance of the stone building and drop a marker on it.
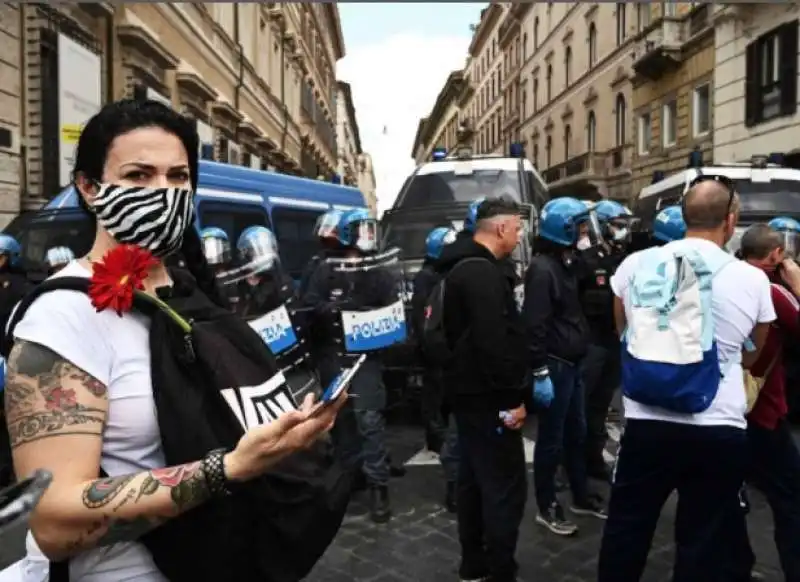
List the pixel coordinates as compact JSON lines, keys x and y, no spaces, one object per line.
{"x":11,"y":165}
{"x":514,"y":94}
{"x":365,"y":181}
{"x":259,"y":79}
{"x":440,"y":128}
{"x":576,"y":91}
{"x":755,"y":82}
{"x":673,"y":82}
{"x":347,"y":136}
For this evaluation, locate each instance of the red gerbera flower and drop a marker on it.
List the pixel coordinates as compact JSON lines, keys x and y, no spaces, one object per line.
{"x":118,"y":276}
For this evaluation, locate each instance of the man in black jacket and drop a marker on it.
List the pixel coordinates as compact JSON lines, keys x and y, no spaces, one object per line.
{"x":486,"y":386}
{"x":558,"y":338}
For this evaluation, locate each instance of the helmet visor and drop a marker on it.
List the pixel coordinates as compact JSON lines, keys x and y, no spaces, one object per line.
{"x":366,"y":233}
{"x":791,"y":242}
{"x":216,"y":250}
{"x":258,"y":254}
{"x":327,"y":225}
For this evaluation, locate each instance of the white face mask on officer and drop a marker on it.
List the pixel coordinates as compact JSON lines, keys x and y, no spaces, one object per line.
{"x":583,"y":243}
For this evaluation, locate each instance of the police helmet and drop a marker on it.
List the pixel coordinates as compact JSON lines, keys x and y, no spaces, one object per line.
{"x":669,"y":225}
{"x":358,"y":229}
{"x":436,"y":241}
{"x":560,"y":217}
{"x":216,"y":245}
{"x":789,"y":229}
{"x":327,"y":225}
{"x":57,"y":257}
{"x":11,"y":248}
{"x":472,"y":214}
{"x":615,"y":219}
{"x":258,"y":251}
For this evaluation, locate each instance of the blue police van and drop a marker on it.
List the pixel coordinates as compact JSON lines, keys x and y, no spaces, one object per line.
{"x":229,"y":197}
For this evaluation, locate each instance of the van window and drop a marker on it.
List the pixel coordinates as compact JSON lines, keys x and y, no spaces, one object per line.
{"x":538,"y":191}
{"x":647,"y":208}
{"x":39,"y":231}
{"x":294,"y":229}
{"x":775,"y":197}
{"x":447,"y":187}
{"x":232,"y":218}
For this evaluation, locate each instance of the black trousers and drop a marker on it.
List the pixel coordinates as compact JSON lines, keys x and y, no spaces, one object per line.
{"x":706,"y":466}
{"x":492,"y":491}
{"x":601,"y":370}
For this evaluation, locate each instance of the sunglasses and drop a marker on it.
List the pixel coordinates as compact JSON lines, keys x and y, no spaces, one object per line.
{"x":720,"y":179}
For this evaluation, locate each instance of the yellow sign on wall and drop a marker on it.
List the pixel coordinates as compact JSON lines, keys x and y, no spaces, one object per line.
{"x":70,"y":132}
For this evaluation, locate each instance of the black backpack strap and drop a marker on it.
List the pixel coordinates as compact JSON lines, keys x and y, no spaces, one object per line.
{"x":80,"y":284}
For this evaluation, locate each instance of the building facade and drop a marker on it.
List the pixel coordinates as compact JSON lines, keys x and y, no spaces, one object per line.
{"x":347,"y":136}
{"x":576,"y":87}
{"x":755,"y":82}
{"x":481,"y":100}
{"x":513,"y":90}
{"x":259,"y":79}
{"x":440,"y":128}
{"x":365,"y":181}
{"x":673,"y":88}
{"x":10,"y":111}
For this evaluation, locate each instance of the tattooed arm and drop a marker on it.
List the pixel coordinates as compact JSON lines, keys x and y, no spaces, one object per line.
{"x":55,"y":414}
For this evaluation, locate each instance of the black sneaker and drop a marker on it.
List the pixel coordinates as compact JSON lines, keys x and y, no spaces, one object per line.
{"x":473,"y":572}
{"x":554,"y":520}
{"x":589,"y":506}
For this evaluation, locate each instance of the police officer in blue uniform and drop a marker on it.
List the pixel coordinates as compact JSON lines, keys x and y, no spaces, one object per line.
{"x":332,"y":289}
{"x":266,"y":285}
{"x":326,"y":232}
{"x":601,"y":367}
{"x":440,"y":431}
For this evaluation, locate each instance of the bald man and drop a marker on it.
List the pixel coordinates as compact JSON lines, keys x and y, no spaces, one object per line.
{"x":700,"y":455}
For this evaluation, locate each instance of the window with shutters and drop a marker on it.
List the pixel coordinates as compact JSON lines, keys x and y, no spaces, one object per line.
{"x":771,"y":75}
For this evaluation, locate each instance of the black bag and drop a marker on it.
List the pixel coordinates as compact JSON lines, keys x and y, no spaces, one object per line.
{"x":273,"y":528}
{"x":433,"y":339}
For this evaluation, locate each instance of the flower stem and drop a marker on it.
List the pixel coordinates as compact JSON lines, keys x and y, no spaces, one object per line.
{"x":182,"y":323}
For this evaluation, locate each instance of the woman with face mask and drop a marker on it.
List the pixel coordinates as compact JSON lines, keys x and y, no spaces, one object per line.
{"x":79,"y":399}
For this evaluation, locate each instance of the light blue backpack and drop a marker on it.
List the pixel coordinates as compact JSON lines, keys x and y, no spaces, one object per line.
{"x":669,"y":356}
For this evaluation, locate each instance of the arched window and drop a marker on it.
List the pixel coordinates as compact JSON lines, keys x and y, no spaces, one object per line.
{"x":591,"y":132}
{"x":621,"y":112}
{"x":536,"y":155}
{"x":567,"y":141}
{"x":568,"y":65}
{"x":548,"y":153}
{"x":535,"y":95}
{"x":524,"y":47}
{"x":592,"y":45}
{"x":524,"y":107}
{"x":549,"y":87}
{"x":536,"y":33}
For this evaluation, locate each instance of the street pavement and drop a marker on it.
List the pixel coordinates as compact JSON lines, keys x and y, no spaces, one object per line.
{"x":420,"y":544}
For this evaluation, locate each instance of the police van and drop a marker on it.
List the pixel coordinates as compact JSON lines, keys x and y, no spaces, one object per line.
{"x":438,"y":193}
{"x":766,"y":190}
{"x":229,"y":197}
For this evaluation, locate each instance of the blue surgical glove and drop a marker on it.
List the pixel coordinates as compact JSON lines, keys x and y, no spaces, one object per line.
{"x":543,"y":390}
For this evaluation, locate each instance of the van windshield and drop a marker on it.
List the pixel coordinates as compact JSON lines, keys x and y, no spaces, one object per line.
{"x":774,"y":197}
{"x":444,"y":187}
{"x":39,"y":231}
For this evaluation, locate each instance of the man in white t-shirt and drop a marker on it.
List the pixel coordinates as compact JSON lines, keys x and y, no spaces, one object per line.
{"x":702,"y":456}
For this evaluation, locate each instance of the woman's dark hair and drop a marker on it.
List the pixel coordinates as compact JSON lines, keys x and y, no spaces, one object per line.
{"x":126,"y":115}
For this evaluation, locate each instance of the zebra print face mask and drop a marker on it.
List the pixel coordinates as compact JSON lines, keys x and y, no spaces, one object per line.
{"x":151,"y":218}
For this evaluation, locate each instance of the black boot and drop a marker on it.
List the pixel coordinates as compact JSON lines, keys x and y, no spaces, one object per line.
{"x":379,"y":509}
{"x":395,"y":470}
{"x":450,"y":497}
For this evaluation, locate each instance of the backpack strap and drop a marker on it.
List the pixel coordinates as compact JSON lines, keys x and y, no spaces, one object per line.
{"x":79,"y":284}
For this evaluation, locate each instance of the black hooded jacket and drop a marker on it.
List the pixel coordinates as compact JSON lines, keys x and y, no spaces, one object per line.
{"x":481,"y":320}
{"x":554,"y":319}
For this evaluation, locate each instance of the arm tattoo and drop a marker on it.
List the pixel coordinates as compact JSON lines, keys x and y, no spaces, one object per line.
{"x":37,"y":374}
{"x":187,"y":488}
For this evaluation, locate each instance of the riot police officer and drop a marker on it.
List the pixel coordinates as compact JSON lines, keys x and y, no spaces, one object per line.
{"x":266,"y":285}
{"x":668,"y":225}
{"x":13,"y":287}
{"x":217,"y":250}
{"x":440,"y":433}
{"x":789,"y":229}
{"x":339,"y":289}
{"x":601,"y":365}
{"x":56,"y":258}
{"x":325,"y":231}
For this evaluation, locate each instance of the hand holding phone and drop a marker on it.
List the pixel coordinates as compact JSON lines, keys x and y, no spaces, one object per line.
{"x":338,"y":385}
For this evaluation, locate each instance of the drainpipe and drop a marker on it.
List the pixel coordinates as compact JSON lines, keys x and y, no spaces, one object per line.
{"x":237,"y":91}
{"x":285,"y":129}
{"x":110,"y":68}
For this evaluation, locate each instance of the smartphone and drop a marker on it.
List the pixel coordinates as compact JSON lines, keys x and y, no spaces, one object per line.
{"x":338,"y":385}
{"x":18,"y":501}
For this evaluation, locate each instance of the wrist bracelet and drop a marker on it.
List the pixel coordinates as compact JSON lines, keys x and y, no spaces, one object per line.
{"x":213,"y":466}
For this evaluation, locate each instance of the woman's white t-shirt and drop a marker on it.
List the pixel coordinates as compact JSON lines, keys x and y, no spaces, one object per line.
{"x":115,"y":350}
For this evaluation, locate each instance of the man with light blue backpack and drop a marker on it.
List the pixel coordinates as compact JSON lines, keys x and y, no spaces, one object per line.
{"x":685,"y":311}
